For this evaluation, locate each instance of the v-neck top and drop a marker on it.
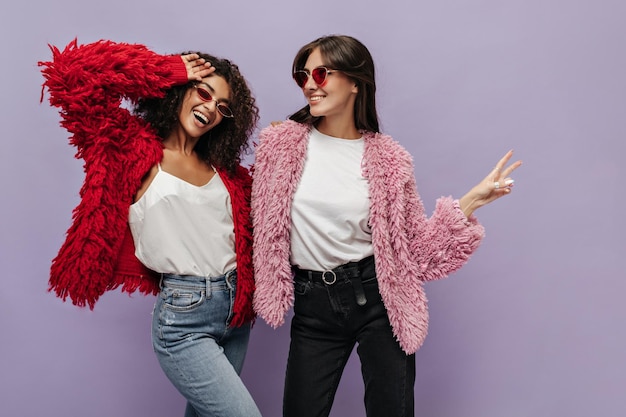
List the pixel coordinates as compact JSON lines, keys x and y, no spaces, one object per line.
{"x":180,"y":228}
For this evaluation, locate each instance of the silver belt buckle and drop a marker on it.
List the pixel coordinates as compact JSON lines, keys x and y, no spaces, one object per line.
{"x":333,"y":278}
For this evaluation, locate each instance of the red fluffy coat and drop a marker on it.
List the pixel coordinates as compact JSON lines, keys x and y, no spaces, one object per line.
{"x":88,"y":83}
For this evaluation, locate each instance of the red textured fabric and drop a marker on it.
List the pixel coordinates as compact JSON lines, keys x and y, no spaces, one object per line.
{"x":130,"y":273}
{"x":88,"y":83}
{"x":240,"y":188}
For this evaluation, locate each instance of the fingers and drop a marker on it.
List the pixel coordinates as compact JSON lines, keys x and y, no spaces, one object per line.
{"x":501,"y":170}
{"x":190,"y":57}
{"x":504,"y":185}
{"x":502,"y":182}
{"x":508,"y":170}
{"x":204,"y":71}
{"x":194,"y":61}
{"x":197,"y":67}
{"x":503,"y":161}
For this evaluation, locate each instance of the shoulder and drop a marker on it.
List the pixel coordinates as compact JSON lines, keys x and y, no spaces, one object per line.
{"x":383,"y":146}
{"x":239,"y":177}
{"x":282,"y":130}
{"x":284,"y":138}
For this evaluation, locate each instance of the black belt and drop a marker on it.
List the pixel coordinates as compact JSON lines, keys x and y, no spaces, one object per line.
{"x":351,"y":271}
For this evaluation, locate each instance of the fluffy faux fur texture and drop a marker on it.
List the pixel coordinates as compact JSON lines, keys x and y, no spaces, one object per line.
{"x":88,"y":84}
{"x":409,"y":247}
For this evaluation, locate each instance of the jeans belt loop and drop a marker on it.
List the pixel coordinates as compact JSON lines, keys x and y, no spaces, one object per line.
{"x":228,"y":278}
{"x":207,"y":282}
{"x":359,"y":293}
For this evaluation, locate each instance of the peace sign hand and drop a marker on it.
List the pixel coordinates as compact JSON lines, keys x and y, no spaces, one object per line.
{"x":496,"y":184}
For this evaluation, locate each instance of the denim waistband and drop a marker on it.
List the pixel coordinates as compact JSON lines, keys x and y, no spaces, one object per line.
{"x":345,"y":271}
{"x":195,"y":281}
{"x":354,"y":272}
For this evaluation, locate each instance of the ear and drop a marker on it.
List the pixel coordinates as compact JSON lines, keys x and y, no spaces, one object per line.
{"x":355,"y":89}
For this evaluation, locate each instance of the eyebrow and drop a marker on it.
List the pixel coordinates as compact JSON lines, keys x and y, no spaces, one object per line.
{"x":317,"y":66}
{"x":212,"y":90}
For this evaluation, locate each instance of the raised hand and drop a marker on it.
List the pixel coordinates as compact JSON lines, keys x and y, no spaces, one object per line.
{"x":496,"y":184}
{"x":197,"y":68}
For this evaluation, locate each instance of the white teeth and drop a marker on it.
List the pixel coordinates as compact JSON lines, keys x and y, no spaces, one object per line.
{"x":316,"y":98}
{"x":201,"y":117}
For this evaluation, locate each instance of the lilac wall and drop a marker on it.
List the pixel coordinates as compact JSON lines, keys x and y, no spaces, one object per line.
{"x":532,"y":326}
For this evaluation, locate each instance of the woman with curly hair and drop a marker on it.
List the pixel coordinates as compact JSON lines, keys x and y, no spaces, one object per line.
{"x":165,"y":206}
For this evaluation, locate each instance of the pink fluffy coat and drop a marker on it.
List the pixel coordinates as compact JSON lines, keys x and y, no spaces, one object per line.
{"x":409,"y":247}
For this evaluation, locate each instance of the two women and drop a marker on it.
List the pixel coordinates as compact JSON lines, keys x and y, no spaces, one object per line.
{"x":340,"y":230}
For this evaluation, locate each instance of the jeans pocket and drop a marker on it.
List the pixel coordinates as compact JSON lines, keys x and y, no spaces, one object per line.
{"x":301,"y":287}
{"x":371,"y":282}
{"x":372,"y":292}
{"x":182,"y":299}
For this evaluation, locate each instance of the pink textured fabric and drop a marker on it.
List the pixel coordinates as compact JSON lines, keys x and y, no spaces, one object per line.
{"x":409,"y":247}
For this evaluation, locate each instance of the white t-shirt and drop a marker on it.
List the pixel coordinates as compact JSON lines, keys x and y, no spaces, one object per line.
{"x":330,"y":208}
{"x":180,"y":228}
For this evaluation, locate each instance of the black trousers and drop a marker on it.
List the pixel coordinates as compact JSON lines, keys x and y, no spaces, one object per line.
{"x":334,"y":311}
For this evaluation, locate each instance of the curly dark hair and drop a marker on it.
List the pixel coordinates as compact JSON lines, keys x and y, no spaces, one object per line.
{"x":224,"y":145}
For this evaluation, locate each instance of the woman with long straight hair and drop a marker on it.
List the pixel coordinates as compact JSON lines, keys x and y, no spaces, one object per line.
{"x":341,"y":235}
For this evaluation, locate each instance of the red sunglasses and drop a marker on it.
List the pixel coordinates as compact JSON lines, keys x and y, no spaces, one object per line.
{"x":319,"y":75}
{"x":205,"y":95}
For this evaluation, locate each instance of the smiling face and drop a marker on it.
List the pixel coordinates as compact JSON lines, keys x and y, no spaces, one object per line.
{"x":196,"y":115}
{"x":335,"y":97}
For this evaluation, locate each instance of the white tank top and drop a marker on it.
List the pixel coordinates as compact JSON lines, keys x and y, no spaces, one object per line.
{"x":183,"y":229}
{"x":330,"y":209}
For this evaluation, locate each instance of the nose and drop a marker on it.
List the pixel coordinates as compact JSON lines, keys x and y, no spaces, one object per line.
{"x":211,"y":105}
{"x":310,"y":84}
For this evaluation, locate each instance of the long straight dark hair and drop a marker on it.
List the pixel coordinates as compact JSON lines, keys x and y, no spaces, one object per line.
{"x":352,"y":58}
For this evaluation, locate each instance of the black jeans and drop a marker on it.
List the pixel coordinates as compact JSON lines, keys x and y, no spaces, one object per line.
{"x":330,"y":318}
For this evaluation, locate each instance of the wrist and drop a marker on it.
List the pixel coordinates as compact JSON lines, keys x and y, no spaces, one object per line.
{"x":468,"y":205}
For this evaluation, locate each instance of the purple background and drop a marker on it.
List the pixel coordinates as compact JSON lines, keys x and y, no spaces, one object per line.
{"x":532,"y":326}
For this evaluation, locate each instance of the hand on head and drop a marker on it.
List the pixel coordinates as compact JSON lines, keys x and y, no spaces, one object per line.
{"x":197,"y":68}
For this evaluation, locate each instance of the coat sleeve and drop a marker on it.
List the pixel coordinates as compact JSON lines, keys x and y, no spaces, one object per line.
{"x":405,"y":239}
{"x":89,"y":84}
{"x":445,"y":241}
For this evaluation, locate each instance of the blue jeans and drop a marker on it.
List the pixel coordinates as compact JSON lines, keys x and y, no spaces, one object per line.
{"x":333,"y":312}
{"x":200,"y":354}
